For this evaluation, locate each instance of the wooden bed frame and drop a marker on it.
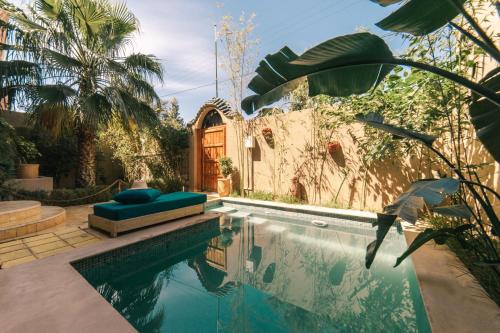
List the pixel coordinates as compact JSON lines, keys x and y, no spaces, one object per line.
{"x":115,"y":227}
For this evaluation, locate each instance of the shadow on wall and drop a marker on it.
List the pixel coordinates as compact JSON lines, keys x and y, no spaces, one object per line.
{"x":336,"y":179}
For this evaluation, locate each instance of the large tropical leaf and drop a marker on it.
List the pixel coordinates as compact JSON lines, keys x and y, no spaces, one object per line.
{"x":421,"y":193}
{"x":61,"y":60}
{"x":377,"y":121}
{"x":419,"y":17}
{"x":385,"y":3}
{"x":90,"y":15}
{"x":50,"y":8}
{"x":439,"y":236}
{"x":384,"y":224}
{"x":485,"y":116}
{"x":145,"y":65}
{"x":454,"y":211}
{"x":338,"y":67}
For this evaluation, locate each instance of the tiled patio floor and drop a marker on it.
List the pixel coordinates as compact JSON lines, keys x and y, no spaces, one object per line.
{"x":72,"y":234}
{"x":61,"y":238}
{"x":30,"y":248}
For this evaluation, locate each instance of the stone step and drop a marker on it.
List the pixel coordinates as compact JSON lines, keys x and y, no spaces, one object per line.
{"x":49,"y":217}
{"x":18,"y":210}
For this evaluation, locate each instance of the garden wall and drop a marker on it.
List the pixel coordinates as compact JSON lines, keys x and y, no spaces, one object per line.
{"x":337,"y":179}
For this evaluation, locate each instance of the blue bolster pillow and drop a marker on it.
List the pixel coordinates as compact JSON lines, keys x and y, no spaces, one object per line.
{"x":143,"y":195}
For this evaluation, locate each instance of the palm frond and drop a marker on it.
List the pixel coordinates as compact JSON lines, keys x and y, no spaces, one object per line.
{"x":148,"y":66}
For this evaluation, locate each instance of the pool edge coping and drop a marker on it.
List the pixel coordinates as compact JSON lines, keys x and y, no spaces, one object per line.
{"x":59,"y":299}
{"x":357,"y":215}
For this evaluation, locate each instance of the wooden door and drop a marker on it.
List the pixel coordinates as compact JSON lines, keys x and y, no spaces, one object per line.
{"x":213,"y":147}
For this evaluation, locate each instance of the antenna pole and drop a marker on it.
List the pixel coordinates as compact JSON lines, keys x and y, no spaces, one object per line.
{"x":216,"y":63}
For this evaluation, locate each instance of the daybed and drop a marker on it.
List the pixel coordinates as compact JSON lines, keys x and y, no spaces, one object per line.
{"x":115,"y":217}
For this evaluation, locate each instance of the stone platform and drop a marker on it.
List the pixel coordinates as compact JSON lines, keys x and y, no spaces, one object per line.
{"x":23,"y":217}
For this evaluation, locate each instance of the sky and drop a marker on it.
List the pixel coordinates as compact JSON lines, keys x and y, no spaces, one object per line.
{"x":180,"y":33}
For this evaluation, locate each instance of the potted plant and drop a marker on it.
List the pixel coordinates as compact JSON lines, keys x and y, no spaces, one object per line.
{"x":28,"y":155}
{"x":226,"y":169}
{"x":333,"y":147}
{"x":267,"y":133}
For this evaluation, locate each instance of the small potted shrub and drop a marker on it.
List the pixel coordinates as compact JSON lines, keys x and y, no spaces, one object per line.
{"x":224,"y":183}
{"x":333,"y":147}
{"x":28,"y":156}
{"x":267,"y":133}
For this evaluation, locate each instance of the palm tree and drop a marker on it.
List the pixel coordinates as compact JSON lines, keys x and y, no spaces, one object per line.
{"x":67,"y":63}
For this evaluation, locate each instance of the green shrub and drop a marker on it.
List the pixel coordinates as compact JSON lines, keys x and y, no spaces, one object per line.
{"x":63,"y":197}
{"x":226,"y":166}
{"x":167,"y":184}
{"x":8,"y":152}
{"x":27,"y":151}
{"x":262,"y":195}
{"x":289,"y":199}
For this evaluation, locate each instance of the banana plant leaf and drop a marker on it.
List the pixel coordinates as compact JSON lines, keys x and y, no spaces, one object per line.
{"x":439,"y":236}
{"x":385,"y":3}
{"x":341,"y":66}
{"x":384,"y":224}
{"x":419,"y":17}
{"x":454,"y":211}
{"x":485,"y":116}
{"x":421,"y":193}
{"x":377,"y":121}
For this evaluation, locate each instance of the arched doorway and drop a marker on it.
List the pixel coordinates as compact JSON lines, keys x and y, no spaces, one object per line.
{"x":212,"y":143}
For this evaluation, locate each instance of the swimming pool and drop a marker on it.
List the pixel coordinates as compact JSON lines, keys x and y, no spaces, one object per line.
{"x":261,"y":270}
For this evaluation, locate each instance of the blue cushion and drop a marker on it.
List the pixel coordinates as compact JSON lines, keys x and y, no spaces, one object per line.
{"x":165,"y":202}
{"x":137,"y":196}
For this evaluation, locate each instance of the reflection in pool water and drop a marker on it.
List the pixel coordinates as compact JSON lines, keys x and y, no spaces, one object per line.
{"x":259,"y":274}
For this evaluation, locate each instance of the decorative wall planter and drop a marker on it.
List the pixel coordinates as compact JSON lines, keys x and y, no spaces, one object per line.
{"x":333,"y":147}
{"x":267,"y":133}
{"x":28,"y":171}
{"x":224,"y":187}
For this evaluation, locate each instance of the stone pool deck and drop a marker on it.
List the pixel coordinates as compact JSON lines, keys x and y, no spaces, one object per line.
{"x":49,"y":295}
{"x":62,"y":238}
{"x":71,"y":234}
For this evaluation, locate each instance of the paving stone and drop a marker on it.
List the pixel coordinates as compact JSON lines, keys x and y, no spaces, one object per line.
{"x":15,"y":262}
{"x":66,"y":230}
{"x":12,"y":248}
{"x":43,"y":241}
{"x":11,"y":243}
{"x":14,"y":255}
{"x":35,"y":238}
{"x":21,"y":231}
{"x":47,"y":247}
{"x":72,"y":234}
{"x":87,"y":242}
{"x":10,"y":233}
{"x":54,"y":251}
{"x":78,"y":239}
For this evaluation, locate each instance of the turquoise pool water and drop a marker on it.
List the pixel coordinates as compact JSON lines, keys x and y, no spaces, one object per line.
{"x":261,"y":272}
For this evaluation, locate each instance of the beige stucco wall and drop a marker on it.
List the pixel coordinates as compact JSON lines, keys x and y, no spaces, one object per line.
{"x":336,"y":180}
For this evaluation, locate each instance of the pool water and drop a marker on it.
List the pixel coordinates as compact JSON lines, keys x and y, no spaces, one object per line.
{"x":254,"y":271}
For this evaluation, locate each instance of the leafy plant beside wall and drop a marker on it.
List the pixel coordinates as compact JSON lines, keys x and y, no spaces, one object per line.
{"x":226,"y":166}
{"x":8,"y":150}
{"x":357,"y":63}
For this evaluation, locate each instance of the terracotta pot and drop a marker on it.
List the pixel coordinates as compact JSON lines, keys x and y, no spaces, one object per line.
{"x":333,"y":147}
{"x":223,"y":187}
{"x":267,"y":133}
{"x":27,"y":171}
